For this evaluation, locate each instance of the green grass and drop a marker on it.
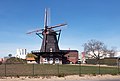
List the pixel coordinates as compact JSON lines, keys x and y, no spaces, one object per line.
{"x":44,"y":70}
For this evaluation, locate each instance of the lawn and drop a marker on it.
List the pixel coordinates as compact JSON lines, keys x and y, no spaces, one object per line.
{"x":38,"y":69}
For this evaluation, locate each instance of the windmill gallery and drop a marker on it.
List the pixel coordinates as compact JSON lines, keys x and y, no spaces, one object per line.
{"x":50,"y":52}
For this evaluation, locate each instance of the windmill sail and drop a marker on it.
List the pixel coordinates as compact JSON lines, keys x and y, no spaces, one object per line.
{"x":49,"y":36}
{"x":46,"y":19}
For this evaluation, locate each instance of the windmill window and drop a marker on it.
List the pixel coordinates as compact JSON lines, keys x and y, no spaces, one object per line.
{"x":51,"y":50}
{"x":56,"y":60}
{"x":46,"y":41}
{"x":45,"y":60}
{"x":51,"y":59}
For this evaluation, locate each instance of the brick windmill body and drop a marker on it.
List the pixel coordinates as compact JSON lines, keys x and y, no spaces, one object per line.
{"x":49,"y":52}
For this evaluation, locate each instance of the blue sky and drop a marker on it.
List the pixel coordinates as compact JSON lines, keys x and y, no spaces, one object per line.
{"x":86,"y":19}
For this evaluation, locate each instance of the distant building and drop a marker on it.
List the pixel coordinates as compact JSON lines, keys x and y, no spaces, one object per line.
{"x":31,"y":60}
{"x":1,"y":60}
{"x":70,"y":56}
{"x":91,"y":55}
{"x":21,"y":53}
{"x":117,"y":54}
{"x":5,"y":59}
{"x":83,"y":58}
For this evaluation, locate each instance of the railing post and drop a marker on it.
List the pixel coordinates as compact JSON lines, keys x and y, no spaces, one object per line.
{"x":58,"y":68}
{"x":33,"y":69}
{"x":5,"y":69}
{"x":118,"y":65}
{"x":79,"y":68}
{"x":99,"y":66}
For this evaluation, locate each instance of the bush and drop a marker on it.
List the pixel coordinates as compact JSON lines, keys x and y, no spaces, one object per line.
{"x":14,"y":60}
{"x":94,"y":74}
{"x":61,"y":75}
{"x":113,"y":73}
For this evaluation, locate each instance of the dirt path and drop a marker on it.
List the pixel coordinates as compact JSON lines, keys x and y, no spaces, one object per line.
{"x":67,"y":78}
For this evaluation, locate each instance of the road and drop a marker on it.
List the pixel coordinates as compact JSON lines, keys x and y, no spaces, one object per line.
{"x":53,"y":80}
{"x":90,"y":80}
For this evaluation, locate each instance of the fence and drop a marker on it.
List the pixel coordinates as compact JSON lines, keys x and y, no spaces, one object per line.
{"x":55,"y":70}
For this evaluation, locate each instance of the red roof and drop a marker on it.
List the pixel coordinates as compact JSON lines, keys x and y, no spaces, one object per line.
{"x":30,"y":58}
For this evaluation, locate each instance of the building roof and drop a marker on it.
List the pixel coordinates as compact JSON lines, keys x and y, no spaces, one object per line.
{"x":30,"y":58}
{"x":69,"y":50}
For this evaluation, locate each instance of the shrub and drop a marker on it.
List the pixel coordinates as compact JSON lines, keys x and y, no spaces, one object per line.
{"x":14,"y":60}
{"x":61,"y":75}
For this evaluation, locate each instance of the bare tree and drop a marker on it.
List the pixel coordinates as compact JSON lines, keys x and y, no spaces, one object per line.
{"x":96,"y":49}
{"x":112,"y":51}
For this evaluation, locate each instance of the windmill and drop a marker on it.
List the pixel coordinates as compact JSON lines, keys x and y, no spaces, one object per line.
{"x":49,"y":36}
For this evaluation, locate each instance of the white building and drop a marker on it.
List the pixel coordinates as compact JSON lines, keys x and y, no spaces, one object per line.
{"x":117,"y":54}
{"x":21,"y":53}
{"x":102,"y":55}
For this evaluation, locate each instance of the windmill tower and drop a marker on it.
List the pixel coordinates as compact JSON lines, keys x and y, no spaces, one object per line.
{"x":50,"y":39}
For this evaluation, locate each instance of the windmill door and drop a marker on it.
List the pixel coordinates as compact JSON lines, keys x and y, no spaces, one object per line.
{"x":51,"y":61}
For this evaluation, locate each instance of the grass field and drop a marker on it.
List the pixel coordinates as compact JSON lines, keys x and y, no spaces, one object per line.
{"x":37,"y":69}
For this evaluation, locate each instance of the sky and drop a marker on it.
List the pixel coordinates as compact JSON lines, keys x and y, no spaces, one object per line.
{"x":86,"y":20}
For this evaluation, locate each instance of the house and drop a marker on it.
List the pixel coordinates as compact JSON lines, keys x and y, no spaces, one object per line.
{"x":117,"y":54}
{"x":83,"y":58}
{"x":31,"y":60}
{"x":1,"y":60}
{"x":70,"y":56}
